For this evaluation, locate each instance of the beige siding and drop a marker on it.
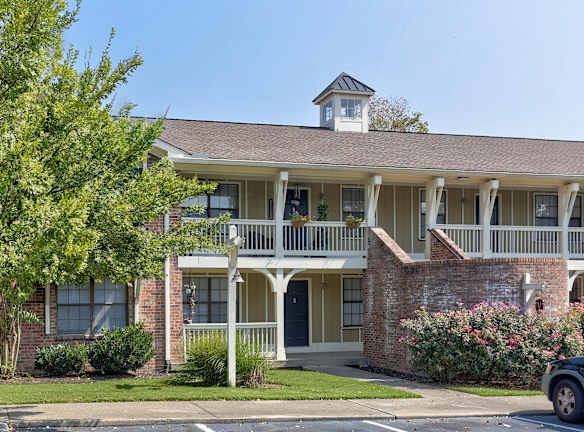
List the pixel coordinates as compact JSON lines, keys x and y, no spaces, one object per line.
{"x":256,"y":200}
{"x":257,"y":297}
{"x":385,"y":206}
{"x":404,"y":222}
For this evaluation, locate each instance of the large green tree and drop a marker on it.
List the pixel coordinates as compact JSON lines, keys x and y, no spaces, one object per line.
{"x":394,"y":114}
{"x":74,"y":201}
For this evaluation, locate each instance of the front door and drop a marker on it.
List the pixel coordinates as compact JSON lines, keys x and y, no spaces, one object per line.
{"x":296,"y":314}
{"x":296,"y":201}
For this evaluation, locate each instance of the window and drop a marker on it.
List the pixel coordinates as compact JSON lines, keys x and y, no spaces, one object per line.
{"x":546,"y":211}
{"x":89,"y":308}
{"x":350,"y":108}
{"x":576,"y":216}
{"x":440,"y":219}
{"x":353,"y":202}
{"x":225,"y":199}
{"x":352,"y":302}
{"x":327,"y":111}
{"x":210,"y":299}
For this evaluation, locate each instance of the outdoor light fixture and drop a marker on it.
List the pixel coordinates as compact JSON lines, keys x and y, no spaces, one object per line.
{"x":237,"y":277}
{"x":463,"y":178}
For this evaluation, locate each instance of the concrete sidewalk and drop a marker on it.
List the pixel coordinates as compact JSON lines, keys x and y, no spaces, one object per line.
{"x":436,"y":402}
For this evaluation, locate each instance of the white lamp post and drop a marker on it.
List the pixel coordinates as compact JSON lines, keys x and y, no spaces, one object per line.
{"x":233,"y":278}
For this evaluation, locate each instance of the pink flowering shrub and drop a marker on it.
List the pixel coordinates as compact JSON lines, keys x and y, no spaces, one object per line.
{"x":491,"y":342}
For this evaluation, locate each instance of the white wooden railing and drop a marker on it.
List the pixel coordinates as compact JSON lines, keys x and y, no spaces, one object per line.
{"x":325,"y":239}
{"x":516,"y":241}
{"x":261,"y":334}
{"x":313,"y":239}
{"x":576,"y":242}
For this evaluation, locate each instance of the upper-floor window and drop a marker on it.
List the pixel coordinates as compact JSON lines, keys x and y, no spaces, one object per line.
{"x":350,"y":108}
{"x":225,"y":199}
{"x":327,"y":111}
{"x":87,"y":309}
{"x":353,"y":202}
{"x":546,"y":211}
{"x":440,"y":218}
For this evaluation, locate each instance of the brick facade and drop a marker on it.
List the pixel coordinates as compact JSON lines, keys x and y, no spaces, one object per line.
{"x":394,"y":287}
{"x":150,"y":310}
{"x":443,"y":248}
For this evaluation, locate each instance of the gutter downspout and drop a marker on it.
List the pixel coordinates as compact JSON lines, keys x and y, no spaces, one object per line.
{"x":167,"y":301}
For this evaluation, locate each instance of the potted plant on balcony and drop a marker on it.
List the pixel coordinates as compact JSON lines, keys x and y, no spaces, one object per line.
{"x":298,"y":220}
{"x":353,"y":222}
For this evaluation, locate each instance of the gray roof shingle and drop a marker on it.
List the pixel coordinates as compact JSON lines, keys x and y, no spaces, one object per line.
{"x":315,"y":145}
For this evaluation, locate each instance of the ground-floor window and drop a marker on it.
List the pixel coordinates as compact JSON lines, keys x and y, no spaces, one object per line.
{"x":89,"y":308}
{"x":204,"y":299}
{"x":352,"y":302}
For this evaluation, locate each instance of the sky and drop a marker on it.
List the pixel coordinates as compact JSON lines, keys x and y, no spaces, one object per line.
{"x":491,"y":67}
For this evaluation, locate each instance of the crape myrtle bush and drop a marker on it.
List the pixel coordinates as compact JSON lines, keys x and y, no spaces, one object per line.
{"x":121,"y":349}
{"x":62,"y":359}
{"x":491,"y":342}
{"x":207,"y":362}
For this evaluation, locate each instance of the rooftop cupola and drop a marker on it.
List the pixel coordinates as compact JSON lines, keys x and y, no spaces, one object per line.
{"x":344,"y":104}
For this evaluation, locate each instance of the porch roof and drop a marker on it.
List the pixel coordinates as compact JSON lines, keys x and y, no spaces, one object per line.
{"x":392,"y":150}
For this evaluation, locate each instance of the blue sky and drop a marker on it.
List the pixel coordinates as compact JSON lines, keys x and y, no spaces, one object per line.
{"x":492,"y":67}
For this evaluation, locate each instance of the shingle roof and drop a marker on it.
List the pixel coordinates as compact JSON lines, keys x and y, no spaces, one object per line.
{"x":345,"y":82}
{"x":315,"y":145}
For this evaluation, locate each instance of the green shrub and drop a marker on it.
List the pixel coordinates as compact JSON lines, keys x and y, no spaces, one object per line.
{"x":121,"y":349}
{"x":491,"y":342}
{"x":207,"y":362}
{"x":61,"y":359}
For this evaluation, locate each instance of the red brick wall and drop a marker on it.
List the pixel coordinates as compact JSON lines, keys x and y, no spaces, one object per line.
{"x":443,"y":248}
{"x":150,"y":312}
{"x":394,"y":288}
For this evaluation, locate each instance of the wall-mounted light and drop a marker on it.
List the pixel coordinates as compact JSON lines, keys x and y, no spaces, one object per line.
{"x":237,"y":277}
{"x":323,"y":286}
{"x":463,"y":178}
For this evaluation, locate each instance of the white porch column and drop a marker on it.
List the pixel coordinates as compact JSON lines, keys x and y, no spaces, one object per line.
{"x":280,"y":188}
{"x":279,"y":285}
{"x":487,"y":197}
{"x":434,"y":190}
{"x":566,"y":197}
{"x":371,"y":198}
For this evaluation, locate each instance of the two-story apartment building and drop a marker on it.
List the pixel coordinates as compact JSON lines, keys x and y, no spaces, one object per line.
{"x":495,"y":198}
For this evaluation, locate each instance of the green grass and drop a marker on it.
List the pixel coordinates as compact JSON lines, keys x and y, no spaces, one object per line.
{"x":295,"y":384}
{"x":492,"y":391}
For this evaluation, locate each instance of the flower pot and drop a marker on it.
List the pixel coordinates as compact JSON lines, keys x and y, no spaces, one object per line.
{"x":353,"y":225}
{"x":297,"y":224}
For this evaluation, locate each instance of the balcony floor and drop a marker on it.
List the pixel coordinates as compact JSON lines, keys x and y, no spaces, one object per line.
{"x":341,"y":358}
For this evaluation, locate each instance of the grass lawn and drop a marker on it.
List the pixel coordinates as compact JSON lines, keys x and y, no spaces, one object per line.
{"x":295,"y":384}
{"x":491,"y":391}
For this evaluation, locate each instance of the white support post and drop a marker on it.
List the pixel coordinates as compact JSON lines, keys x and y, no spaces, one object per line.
{"x":137,"y":288}
{"x":567,"y":197}
{"x":167,"y":301}
{"x":371,"y":198}
{"x":487,"y":197}
{"x":280,"y":189}
{"x":235,"y":242}
{"x":48,"y":309}
{"x":279,"y":285}
{"x":434,"y":190}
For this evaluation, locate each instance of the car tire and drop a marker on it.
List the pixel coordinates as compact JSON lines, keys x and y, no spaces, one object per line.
{"x":568,"y":399}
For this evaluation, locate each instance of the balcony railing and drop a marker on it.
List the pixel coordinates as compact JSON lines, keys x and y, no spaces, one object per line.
{"x":314,"y":239}
{"x":517,"y":241}
{"x":260,"y":334}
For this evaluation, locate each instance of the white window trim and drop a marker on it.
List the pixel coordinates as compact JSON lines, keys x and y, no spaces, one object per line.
{"x":239,"y":189}
{"x":345,"y":186}
{"x":445,"y":194}
{"x":343,"y":277}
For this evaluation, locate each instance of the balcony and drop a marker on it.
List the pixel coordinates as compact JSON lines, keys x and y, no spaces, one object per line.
{"x":517,"y":241}
{"x":314,"y":239}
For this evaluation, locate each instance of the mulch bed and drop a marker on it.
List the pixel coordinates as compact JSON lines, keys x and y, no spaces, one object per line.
{"x":85,"y":378}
